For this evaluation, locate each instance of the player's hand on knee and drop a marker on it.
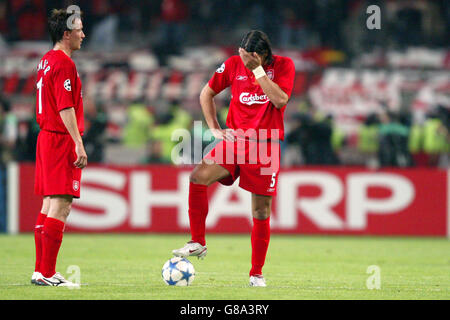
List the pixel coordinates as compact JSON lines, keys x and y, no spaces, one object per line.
{"x":224,"y":134}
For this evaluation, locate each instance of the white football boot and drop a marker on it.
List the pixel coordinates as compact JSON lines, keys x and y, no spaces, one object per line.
{"x":191,"y":248}
{"x":257,"y":281}
{"x":57,"y":280}
{"x":35,"y":276}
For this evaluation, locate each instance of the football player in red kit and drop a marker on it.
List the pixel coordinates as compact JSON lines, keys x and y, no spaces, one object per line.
{"x":60,"y":153}
{"x":261,"y":84}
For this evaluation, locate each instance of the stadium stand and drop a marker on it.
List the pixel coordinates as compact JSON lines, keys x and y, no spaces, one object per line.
{"x":359,"y":97}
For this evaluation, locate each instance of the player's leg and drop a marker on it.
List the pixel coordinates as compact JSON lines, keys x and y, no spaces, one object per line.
{"x":38,"y":237}
{"x":58,"y":177}
{"x":260,"y":237}
{"x":202,"y":176}
{"x":52,"y":236}
{"x":39,"y":190}
{"x":53,"y":232}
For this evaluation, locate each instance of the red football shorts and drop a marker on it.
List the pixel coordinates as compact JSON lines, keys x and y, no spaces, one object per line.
{"x":257,"y":163}
{"x":55,"y":172}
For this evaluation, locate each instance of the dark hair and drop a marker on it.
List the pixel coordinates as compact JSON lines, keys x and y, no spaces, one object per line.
{"x":57,"y":24}
{"x":257,"y":41}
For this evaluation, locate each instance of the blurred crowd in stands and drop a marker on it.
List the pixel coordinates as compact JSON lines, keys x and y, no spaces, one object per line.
{"x":388,"y":139}
{"x":383,"y":139}
{"x":167,"y":25}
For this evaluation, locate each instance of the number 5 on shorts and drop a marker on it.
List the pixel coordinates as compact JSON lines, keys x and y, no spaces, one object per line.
{"x":273,"y":181}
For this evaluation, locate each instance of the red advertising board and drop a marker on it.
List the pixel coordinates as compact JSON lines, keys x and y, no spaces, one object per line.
{"x":310,"y":200}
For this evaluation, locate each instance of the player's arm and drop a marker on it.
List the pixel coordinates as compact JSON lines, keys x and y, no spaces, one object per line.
{"x":63,"y":79}
{"x":210,"y":113}
{"x":70,"y":121}
{"x":276,"y":95}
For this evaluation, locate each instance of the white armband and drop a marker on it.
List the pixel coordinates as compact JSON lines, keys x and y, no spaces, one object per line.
{"x":259,"y":72}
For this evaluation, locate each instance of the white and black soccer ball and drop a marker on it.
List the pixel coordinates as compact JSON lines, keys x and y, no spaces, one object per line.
{"x":178,"y":272}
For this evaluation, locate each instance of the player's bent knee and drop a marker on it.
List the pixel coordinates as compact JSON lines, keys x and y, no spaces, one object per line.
{"x":199,"y":177}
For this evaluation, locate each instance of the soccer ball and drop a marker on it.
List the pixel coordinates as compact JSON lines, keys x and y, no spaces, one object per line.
{"x":178,"y":272}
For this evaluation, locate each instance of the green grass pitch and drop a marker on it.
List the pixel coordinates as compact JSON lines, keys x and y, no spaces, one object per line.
{"x":118,"y":266}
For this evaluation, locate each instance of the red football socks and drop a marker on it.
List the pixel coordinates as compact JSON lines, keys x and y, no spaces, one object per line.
{"x":260,"y":242}
{"x":38,"y":239}
{"x":198,"y":210}
{"x":52,"y":235}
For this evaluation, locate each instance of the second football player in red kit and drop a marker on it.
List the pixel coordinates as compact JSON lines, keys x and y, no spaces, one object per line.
{"x":261,"y":84}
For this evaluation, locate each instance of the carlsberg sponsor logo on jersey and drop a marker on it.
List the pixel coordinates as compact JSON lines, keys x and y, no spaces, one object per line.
{"x":248,"y":98}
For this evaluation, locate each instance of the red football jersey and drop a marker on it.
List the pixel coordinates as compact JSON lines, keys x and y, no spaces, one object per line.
{"x":58,"y":87}
{"x":250,"y":108}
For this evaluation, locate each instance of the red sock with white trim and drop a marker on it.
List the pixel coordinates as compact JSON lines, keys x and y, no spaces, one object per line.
{"x":260,"y":243}
{"x":38,"y":239}
{"x":198,"y":210}
{"x":52,"y":235}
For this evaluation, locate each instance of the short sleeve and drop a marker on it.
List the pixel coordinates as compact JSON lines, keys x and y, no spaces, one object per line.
{"x":221,"y":78}
{"x":285,"y":75}
{"x":63,"y":82}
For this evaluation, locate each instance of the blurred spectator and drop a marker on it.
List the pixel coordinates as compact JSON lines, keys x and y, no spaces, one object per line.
{"x":444,"y":115}
{"x":8,"y":134}
{"x":104,"y":32}
{"x":368,"y":140}
{"x":293,"y":31}
{"x":338,"y":138}
{"x":393,"y":141}
{"x":7,"y":122}
{"x":296,"y":18}
{"x":415,"y":23}
{"x":28,"y":19}
{"x":408,"y":19}
{"x":95,"y":122}
{"x":4,"y":28}
{"x":329,"y":19}
{"x":299,"y":135}
{"x":313,"y":136}
{"x":137,"y":129}
{"x":436,"y":135}
{"x":129,"y":17}
{"x":222,"y":115}
{"x":202,"y":139}
{"x":173,"y":28}
{"x":2,"y":197}
{"x":174,"y":118}
{"x":25,"y":146}
{"x":154,"y":153}
{"x":8,"y":131}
